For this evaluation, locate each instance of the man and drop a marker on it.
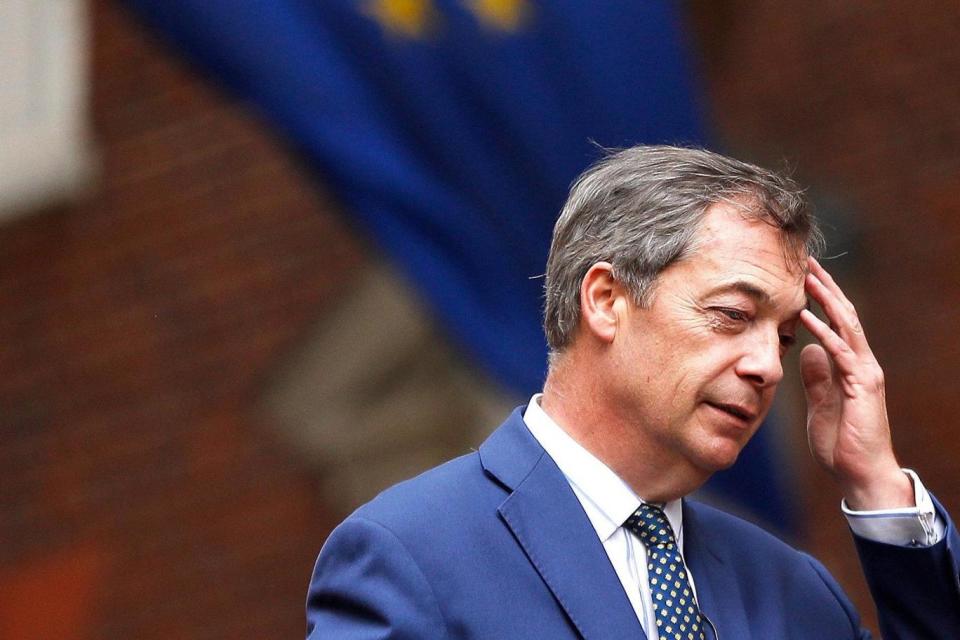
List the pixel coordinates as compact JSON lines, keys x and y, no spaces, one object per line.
{"x":676,"y":282}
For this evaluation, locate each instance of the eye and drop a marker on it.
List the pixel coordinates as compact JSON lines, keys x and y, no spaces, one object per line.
{"x":733,"y":314}
{"x":787,"y":341}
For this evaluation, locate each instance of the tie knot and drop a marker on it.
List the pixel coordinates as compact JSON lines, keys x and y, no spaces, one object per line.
{"x":650,"y":524}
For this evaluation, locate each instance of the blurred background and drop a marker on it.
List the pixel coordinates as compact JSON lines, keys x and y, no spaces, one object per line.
{"x":260,"y":260}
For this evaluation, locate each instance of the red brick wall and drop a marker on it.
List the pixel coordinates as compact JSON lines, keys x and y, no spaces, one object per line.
{"x":141,"y":497}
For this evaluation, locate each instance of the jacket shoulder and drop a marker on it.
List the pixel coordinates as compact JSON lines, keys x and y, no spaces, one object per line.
{"x":443,"y":495}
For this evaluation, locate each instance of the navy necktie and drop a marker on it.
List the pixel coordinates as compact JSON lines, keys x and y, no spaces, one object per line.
{"x":674,"y":605}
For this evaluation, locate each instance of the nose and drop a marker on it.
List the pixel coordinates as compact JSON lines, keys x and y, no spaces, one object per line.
{"x":761,"y":360}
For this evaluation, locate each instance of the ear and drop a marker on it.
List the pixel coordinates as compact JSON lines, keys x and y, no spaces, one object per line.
{"x":601,"y":302}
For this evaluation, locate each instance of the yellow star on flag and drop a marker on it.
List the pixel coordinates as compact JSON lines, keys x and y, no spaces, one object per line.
{"x":505,"y":15}
{"x":407,"y":18}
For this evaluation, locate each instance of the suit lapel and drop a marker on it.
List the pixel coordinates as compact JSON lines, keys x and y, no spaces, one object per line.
{"x":548,"y":521}
{"x":714,"y":574}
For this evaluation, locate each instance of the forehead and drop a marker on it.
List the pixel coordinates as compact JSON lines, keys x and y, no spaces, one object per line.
{"x":731,"y":246}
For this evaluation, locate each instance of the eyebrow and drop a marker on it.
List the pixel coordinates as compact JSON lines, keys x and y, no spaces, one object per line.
{"x":750,"y":290}
{"x":746,"y":288}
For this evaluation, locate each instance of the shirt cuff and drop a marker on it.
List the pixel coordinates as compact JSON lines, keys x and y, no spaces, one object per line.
{"x":919,"y":526}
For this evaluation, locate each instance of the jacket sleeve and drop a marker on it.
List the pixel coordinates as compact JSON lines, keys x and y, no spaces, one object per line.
{"x":916,"y":589}
{"x":367,"y":586}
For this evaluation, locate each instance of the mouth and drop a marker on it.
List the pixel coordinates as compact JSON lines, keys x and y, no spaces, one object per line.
{"x":740,"y":412}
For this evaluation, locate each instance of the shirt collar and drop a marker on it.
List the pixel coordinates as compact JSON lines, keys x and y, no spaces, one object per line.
{"x":609,"y":500}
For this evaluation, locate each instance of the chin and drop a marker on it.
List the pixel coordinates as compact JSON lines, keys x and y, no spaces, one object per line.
{"x":720,"y":456}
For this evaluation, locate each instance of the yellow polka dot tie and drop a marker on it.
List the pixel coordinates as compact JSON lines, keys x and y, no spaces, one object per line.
{"x":674,"y":606}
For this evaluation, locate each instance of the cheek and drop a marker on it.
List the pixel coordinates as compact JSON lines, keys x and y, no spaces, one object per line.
{"x":684,"y":390}
{"x":699,"y":375}
{"x":697,"y":367}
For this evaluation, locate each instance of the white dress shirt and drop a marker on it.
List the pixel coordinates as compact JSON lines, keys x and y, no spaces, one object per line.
{"x":608,"y":501}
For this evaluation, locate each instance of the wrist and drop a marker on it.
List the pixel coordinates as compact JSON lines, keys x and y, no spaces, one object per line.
{"x":887,"y":489}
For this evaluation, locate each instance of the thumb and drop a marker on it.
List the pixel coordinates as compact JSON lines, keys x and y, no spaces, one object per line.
{"x":816,"y":373}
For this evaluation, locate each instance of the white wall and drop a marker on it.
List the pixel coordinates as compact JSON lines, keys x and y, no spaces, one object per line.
{"x":44,"y":124}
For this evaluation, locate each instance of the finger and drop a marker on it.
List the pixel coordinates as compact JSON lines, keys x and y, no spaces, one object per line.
{"x":824,"y":276}
{"x":836,"y":346}
{"x":816,"y":373}
{"x":840,"y":352}
{"x":843,"y":318}
{"x":856,"y":374}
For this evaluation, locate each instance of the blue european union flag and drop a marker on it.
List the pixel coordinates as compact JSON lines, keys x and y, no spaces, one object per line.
{"x":452,"y":129}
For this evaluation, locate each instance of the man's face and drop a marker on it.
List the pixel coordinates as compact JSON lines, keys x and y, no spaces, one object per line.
{"x":697,"y":369}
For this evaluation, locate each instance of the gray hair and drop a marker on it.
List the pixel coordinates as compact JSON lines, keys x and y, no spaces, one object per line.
{"x":639,"y":210}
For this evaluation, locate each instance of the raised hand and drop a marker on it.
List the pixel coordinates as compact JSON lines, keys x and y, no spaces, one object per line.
{"x":847,"y":424}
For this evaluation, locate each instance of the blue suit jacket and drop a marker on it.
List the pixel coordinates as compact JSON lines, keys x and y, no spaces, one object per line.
{"x":496,"y":545}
